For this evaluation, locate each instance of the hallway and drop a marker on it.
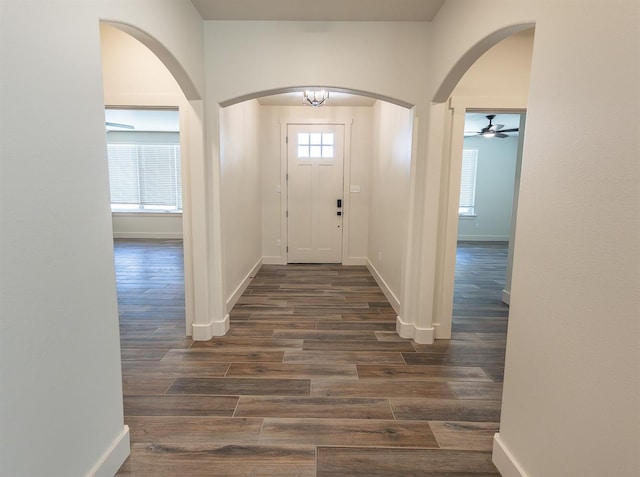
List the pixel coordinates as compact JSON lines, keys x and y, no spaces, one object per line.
{"x":311,"y":379}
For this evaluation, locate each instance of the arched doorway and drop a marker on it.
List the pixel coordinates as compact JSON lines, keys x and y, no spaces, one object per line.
{"x":477,"y":90}
{"x":378,"y":136}
{"x":139,"y":71}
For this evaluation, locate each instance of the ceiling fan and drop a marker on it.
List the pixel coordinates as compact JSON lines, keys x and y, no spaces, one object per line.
{"x":493,"y":130}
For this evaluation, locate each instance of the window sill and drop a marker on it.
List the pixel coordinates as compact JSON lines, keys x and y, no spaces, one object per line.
{"x":150,"y":213}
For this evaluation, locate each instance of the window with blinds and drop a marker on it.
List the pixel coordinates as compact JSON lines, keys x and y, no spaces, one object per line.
{"x":144,"y":176}
{"x":468,"y":182}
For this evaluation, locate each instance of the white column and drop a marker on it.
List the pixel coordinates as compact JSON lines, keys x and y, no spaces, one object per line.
{"x":210,"y":318}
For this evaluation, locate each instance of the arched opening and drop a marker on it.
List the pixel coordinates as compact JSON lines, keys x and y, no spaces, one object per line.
{"x":496,"y":83}
{"x":455,"y":74}
{"x":256,"y":182}
{"x":348,"y":95}
{"x":164,"y":55}
{"x":139,"y":74}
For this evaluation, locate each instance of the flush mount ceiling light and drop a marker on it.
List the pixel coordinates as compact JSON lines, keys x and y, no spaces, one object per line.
{"x":315,"y":98}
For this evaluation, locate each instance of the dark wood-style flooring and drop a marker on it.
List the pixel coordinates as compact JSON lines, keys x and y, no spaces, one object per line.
{"x":311,"y":379}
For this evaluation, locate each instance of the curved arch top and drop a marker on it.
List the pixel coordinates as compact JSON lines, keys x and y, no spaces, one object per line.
{"x":299,"y":89}
{"x":164,"y":55}
{"x":470,"y":56}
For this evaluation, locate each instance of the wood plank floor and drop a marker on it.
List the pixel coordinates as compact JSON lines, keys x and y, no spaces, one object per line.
{"x":311,"y":379}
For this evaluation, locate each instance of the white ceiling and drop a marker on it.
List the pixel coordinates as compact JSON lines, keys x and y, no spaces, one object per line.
{"x":314,"y":10}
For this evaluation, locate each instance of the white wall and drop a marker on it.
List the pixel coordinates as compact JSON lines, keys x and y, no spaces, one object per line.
{"x":134,"y":76}
{"x":241,"y":195}
{"x":60,"y":394}
{"x":147,"y":225}
{"x":503,"y":70}
{"x":248,"y":57}
{"x":389,"y":197}
{"x":495,"y":177}
{"x":273,"y":124}
{"x":572,"y":359}
{"x":577,"y":260}
{"x":572,"y":378}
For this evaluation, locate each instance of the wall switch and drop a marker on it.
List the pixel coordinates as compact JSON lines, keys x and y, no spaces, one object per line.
{"x":278,"y":188}
{"x":354,"y":188}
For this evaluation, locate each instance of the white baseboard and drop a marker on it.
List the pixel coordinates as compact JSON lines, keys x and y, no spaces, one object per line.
{"x":393,"y":300}
{"x":274,"y":260}
{"x":114,"y":457}
{"x":504,"y":460}
{"x":350,"y":261}
{"x":439,"y":334}
{"x":204,"y":332}
{"x":147,"y":235}
{"x":506,"y":297}
{"x":235,"y":296}
{"x":411,"y":331}
{"x":483,"y":238}
{"x":277,"y":260}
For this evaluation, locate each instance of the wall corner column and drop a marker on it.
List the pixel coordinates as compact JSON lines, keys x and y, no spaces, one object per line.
{"x":410,"y":323}
{"x":209,"y":316}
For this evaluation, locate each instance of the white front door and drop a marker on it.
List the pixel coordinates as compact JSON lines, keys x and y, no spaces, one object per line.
{"x":315,"y":169}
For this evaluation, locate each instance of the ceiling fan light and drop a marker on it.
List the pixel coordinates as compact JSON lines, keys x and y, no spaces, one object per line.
{"x":489,"y":134}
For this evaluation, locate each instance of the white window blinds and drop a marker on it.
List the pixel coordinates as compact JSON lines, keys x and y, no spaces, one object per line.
{"x":145,"y":176}
{"x":468,"y":182}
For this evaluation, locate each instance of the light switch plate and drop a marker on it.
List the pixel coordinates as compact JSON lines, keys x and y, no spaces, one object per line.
{"x":354,"y":188}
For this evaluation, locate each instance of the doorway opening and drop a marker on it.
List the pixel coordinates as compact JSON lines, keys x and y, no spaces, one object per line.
{"x":489,"y":181}
{"x":484,"y":93}
{"x":146,"y":156}
{"x":372,"y":145}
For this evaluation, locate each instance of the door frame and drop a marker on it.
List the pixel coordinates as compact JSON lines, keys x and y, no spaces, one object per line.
{"x":450,"y":198}
{"x":346,"y":180}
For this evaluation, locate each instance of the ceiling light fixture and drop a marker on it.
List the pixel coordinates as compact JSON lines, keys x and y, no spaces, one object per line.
{"x":315,"y":98}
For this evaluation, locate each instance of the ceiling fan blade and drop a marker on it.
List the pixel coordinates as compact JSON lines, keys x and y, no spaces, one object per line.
{"x":497,"y":127}
{"x":500,"y":134}
{"x":509,"y":130}
{"x":119,"y":125}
